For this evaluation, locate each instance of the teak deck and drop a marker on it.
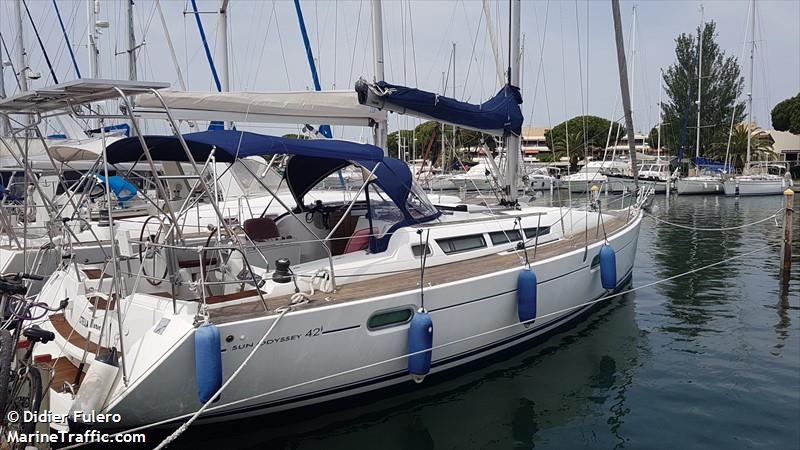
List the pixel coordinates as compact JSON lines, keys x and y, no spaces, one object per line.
{"x":66,"y":331}
{"x":408,"y":280}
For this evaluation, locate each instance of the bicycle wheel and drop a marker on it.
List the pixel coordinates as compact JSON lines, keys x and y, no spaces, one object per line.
{"x":27,"y":396}
{"x":6,"y":354}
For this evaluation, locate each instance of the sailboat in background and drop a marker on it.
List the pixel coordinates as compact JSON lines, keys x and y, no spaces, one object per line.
{"x":708,"y":176}
{"x":756,"y":178}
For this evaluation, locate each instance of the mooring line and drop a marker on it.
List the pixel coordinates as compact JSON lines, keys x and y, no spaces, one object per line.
{"x":738,"y":227}
{"x":446,"y":344}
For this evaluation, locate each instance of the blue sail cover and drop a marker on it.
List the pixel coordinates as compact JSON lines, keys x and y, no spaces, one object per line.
{"x":711,"y":165}
{"x":500,"y":114}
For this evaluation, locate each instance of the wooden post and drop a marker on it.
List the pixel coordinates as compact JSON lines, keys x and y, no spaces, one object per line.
{"x":786,"y":254}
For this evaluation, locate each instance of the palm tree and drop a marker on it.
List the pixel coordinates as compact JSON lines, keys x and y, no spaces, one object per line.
{"x":570,"y":145}
{"x":760,"y":145}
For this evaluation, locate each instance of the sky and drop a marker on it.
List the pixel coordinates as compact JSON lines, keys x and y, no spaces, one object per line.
{"x":569,"y":59}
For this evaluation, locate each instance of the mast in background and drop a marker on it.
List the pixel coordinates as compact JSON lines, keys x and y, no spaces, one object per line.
{"x":623,"y":84}
{"x":750,"y":93}
{"x":699,"y":79}
{"x":131,"y":41}
{"x":381,"y":131}
{"x":660,"y":95}
{"x":513,"y":141}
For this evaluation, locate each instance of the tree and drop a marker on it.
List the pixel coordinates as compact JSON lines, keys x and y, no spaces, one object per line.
{"x":760,"y":146}
{"x":786,"y":115}
{"x":295,"y":136}
{"x":424,"y":132}
{"x":594,"y":128}
{"x":722,"y":86}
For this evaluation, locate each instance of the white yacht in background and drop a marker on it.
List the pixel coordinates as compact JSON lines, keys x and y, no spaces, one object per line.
{"x":543,"y":178}
{"x":760,"y":178}
{"x":655,"y":173}
{"x":699,"y":184}
{"x":593,"y":173}
{"x":768,"y":178}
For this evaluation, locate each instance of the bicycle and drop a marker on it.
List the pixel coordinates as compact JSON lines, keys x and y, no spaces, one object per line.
{"x":21,"y":388}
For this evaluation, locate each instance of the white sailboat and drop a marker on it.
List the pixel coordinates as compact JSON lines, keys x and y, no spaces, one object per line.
{"x":348,"y":297}
{"x":756,"y":179}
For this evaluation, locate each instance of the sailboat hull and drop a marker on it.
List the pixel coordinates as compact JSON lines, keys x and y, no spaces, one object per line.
{"x":752,"y":187}
{"x":331,"y":352}
{"x":707,"y":186}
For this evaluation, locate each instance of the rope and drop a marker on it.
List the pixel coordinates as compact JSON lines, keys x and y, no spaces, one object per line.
{"x":436,"y":347}
{"x":66,"y":40}
{"x":320,"y":280}
{"x":200,"y":411}
{"x":738,"y":227}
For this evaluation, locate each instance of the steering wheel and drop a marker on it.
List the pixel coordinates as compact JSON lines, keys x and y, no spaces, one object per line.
{"x":224,"y":257}
{"x":153,"y":254}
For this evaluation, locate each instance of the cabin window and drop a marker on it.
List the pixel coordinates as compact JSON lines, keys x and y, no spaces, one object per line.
{"x":417,"y":250}
{"x":503,"y":237}
{"x":390,"y":318}
{"x":534,"y":231}
{"x":461,"y":243}
{"x":417,"y":203}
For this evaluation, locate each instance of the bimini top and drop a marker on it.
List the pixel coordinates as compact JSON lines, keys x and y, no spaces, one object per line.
{"x":499,"y":115}
{"x":311,"y":161}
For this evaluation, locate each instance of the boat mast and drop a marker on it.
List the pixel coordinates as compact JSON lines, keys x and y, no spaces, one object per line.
{"x":381,"y":131}
{"x":699,"y":79}
{"x":223,"y":54}
{"x":660,"y":95}
{"x":454,"y":96}
{"x":750,"y":93}
{"x":92,"y":7}
{"x":513,"y":141}
{"x":22,"y":56}
{"x":623,"y":84}
{"x":3,"y":119}
{"x":131,"y":41}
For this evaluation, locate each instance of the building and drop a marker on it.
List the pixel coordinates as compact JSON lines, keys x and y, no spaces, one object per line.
{"x":640,"y":143}
{"x":785,"y":145}
{"x":533,"y":141}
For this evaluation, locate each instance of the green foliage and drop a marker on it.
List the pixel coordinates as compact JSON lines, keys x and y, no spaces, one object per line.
{"x":722,"y":86}
{"x":652,"y":138}
{"x":760,"y":146}
{"x":295,"y":136}
{"x":786,"y":115}
{"x":594,"y":128}
{"x":430,"y":130}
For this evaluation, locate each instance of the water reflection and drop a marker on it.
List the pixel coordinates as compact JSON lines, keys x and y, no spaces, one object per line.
{"x":502,"y":404}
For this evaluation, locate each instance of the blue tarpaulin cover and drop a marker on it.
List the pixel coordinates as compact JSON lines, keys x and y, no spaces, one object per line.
{"x":122,"y":188}
{"x":501,"y":112}
{"x":710,"y":165}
